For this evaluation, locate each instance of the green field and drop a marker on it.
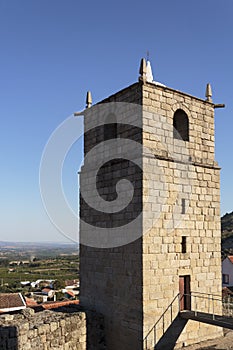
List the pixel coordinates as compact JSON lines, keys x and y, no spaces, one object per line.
{"x":47,"y":263}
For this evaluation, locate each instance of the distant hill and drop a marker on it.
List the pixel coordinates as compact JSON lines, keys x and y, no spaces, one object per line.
{"x":38,"y":244}
{"x":27,"y":250}
{"x":227,"y":232}
{"x":227,"y":225}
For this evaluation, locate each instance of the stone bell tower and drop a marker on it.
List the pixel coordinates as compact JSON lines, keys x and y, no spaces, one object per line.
{"x":156,"y":234}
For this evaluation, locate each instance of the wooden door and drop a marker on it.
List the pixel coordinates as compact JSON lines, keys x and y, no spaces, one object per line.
{"x":185,"y":293}
{"x":181,"y":291}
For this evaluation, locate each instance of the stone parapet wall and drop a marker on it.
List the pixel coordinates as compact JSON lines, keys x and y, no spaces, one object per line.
{"x":67,"y":329}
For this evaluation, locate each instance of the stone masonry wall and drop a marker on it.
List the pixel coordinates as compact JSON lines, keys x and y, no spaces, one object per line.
{"x":50,"y":330}
{"x":132,"y":285}
{"x":180,"y":171}
{"x":111,"y":278}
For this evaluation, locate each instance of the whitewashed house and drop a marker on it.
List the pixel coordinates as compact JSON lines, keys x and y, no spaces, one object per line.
{"x":227,"y":271}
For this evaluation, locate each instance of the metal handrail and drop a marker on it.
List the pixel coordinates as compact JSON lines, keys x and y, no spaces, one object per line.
{"x":161,"y":318}
{"x":206,"y":295}
{"x":201,"y":297}
{"x":193,"y":296}
{"x":216,"y":295}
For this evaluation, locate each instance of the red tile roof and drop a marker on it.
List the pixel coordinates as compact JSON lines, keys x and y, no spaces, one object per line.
{"x":11,"y":300}
{"x":230,"y":257}
{"x":54,"y":305}
{"x":30,"y":301}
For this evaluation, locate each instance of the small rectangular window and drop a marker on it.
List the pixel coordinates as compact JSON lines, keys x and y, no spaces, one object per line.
{"x":183,"y":206}
{"x":225,"y":278}
{"x":184,"y":245}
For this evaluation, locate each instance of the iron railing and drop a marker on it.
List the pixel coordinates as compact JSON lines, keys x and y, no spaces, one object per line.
{"x":212,"y":304}
{"x":204,"y":302}
{"x":151,"y":337}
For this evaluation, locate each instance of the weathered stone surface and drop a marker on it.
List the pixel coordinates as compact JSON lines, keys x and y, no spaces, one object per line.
{"x":52,"y":330}
{"x":133,"y":285}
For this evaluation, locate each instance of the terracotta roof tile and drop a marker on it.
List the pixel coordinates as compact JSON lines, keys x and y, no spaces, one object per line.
{"x":54,"y":305}
{"x":8,"y":300}
{"x":30,"y":302}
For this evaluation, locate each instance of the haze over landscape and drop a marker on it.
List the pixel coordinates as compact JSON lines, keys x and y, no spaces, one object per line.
{"x":52,"y":52}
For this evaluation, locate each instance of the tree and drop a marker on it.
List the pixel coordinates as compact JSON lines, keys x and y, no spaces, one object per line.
{"x":58,"y":284}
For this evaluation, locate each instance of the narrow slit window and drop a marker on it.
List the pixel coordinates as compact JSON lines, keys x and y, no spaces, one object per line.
{"x":225,"y":278}
{"x":184,"y":244}
{"x":183,"y":209}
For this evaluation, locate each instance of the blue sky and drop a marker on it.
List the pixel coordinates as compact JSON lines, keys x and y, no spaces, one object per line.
{"x":53,"y":51}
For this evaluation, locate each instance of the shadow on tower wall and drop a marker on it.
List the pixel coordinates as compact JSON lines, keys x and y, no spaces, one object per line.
{"x":8,"y":338}
{"x":95,"y":331}
{"x":170,"y":337}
